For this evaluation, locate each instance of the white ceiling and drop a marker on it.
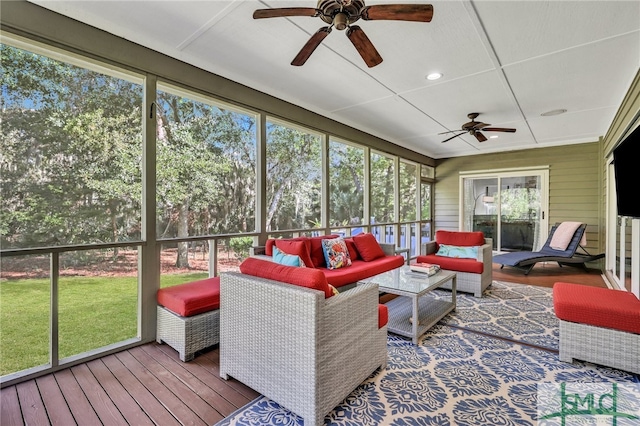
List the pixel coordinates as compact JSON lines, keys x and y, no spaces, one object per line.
{"x":509,"y":60}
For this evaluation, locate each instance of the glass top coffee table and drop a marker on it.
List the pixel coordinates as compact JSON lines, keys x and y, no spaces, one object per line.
{"x":412,"y":314}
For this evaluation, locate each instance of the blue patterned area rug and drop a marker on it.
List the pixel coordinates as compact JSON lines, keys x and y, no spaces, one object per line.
{"x":460,"y":374}
{"x":518,"y":312}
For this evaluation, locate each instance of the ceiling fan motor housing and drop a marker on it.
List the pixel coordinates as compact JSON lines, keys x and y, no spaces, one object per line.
{"x":340,"y":13}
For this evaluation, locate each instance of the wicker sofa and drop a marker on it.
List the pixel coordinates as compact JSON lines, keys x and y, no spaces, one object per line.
{"x":294,"y":345}
{"x":473,"y":275}
{"x":598,"y":325}
{"x":368,"y":257}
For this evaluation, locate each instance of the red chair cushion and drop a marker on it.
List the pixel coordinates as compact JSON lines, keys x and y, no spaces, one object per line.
{"x":191,"y":298}
{"x":453,"y":263}
{"x":368,"y":247}
{"x":383,"y":315}
{"x":304,"y":277}
{"x":601,"y":307}
{"x":460,"y":238}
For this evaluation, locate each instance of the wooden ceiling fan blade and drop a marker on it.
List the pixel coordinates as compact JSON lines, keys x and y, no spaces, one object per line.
{"x":400,"y":12}
{"x":479,"y":136}
{"x":499,"y":129}
{"x":310,"y":46}
{"x":364,"y":46}
{"x":453,"y":137}
{"x":285,"y":11}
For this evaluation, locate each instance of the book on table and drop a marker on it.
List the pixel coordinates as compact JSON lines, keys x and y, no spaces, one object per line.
{"x":425,"y":268}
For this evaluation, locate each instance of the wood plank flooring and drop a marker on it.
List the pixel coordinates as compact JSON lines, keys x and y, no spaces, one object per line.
{"x":149,"y":384}
{"x":146,"y":385}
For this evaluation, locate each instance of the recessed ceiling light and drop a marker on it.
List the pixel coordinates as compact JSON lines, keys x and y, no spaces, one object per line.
{"x":553,"y":112}
{"x":434,"y":76}
{"x":493,"y":137}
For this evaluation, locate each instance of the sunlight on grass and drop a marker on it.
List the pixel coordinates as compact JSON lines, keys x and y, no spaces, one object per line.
{"x":93,"y":312}
{"x":24,"y":321}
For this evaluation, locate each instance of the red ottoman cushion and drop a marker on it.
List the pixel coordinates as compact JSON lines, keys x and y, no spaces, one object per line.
{"x":601,"y":307}
{"x":191,"y":298}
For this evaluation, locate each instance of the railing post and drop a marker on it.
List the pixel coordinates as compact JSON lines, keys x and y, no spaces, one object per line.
{"x":54,"y":356}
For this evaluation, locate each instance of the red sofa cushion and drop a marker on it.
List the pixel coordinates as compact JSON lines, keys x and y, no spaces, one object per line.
{"x":453,"y":263}
{"x":360,"y":269}
{"x":383,"y":315}
{"x":268,"y":247}
{"x":304,"y":277}
{"x":297,"y":247}
{"x":460,"y":238}
{"x":353,"y":251}
{"x":601,"y":307}
{"x":191,"y":298}
{"x":368,"y":247}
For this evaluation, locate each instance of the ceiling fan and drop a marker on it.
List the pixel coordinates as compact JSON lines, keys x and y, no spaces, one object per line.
{"x":341,"y":14}
{"x":475,"y":127}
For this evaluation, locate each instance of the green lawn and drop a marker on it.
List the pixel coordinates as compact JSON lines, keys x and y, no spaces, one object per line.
{"x":93,"y":312}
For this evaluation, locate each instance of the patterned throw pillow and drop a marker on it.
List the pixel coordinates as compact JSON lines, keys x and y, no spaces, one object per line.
{"x":286,"y":259}
{"x":333,"y":290}
{"x":336,"y":253}
{"x":458,"y":251}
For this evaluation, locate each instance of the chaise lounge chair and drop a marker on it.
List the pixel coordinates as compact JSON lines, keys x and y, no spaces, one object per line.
{"x":526,"y":260}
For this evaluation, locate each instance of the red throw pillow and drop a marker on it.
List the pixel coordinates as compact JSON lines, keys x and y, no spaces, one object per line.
{"x":368,"y":247}
{"x":353,"y":251}
{"x":304,"y":277}
{"x":299,"y":248}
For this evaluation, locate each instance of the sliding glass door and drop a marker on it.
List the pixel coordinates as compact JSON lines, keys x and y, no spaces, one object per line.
{"x":623,"y":243}
{"x":508,"y":206}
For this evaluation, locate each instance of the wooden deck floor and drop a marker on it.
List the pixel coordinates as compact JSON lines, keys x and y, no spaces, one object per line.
{"x":146,"y":385}
{"x":150,"y":385}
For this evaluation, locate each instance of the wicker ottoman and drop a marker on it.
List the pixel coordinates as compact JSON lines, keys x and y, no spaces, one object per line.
{"x":598,"y":325}
{"x":188,"y":316}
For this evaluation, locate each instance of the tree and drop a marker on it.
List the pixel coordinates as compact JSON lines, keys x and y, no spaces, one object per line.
{"x":71,"y":153}
{"x":294,"y":178}
{"x":382,"y":188}
{"x":205,"y":169}
{"x":346,"y":184}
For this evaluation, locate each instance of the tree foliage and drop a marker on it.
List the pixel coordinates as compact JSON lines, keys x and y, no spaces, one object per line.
{"x":346,"y":184}
{"x":71,"y":153}
{"x":294,"y":178}
{"x":71,"y":163}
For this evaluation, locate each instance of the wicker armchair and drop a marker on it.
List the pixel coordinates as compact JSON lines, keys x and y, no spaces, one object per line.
{"x":468,"y":282}
{"x":292,"y":345}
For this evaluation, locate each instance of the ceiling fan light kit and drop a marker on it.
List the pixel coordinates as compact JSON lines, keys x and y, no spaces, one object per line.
{"x":341,"y":14}
{"x":475,"y":128}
